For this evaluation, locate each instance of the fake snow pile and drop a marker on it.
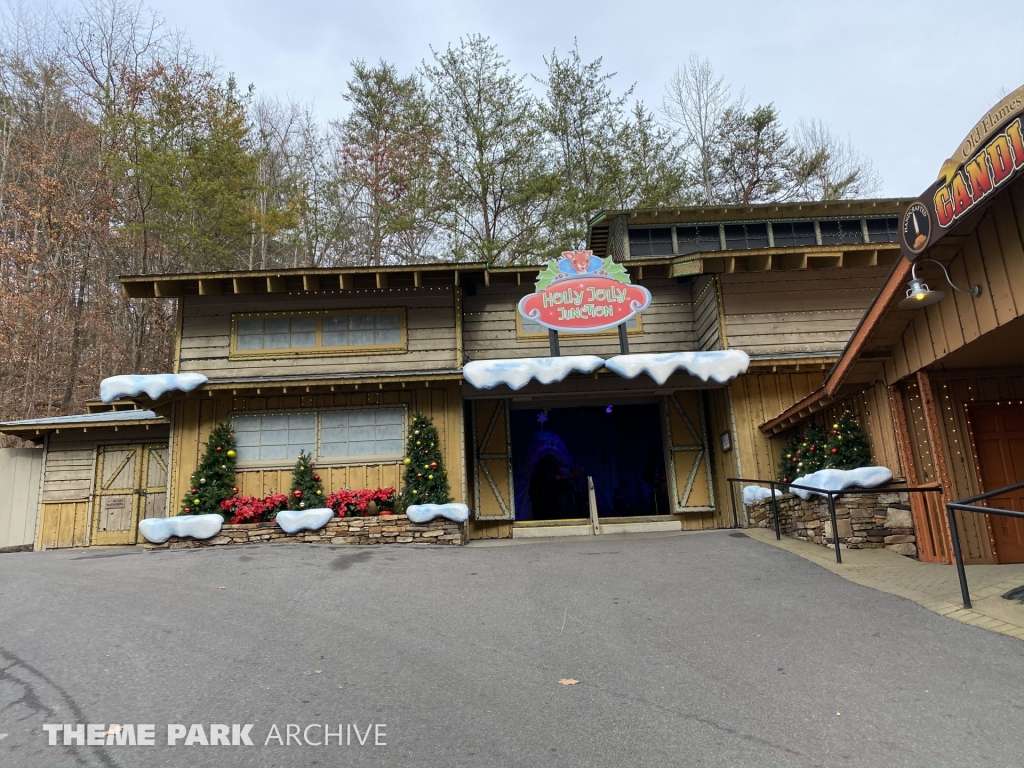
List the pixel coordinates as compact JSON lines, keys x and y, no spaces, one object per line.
{"x":720,"y":366}
{"x":424,"y":513}
{"x":840,"y":479}
{"x":485,"y":374}
{"x":157,"y":530}
{"x":756,"y":493}
{"x":155,"y":385}
{"x":295,"y":520}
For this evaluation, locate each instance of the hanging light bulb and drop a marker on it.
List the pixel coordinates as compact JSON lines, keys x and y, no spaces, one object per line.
{"x":920,"y":295}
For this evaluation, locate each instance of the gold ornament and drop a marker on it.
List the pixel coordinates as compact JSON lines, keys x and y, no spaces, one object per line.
{"x":407,"y":461}
{"x":430,"y":477}
{"x":231,"y":453}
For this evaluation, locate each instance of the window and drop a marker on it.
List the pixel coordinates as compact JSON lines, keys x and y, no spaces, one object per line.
{"x":883,"y":230}
{"x":295,"y":334}
{"x":845,"y":231}
{"x":337,"y":435}
{"x":741,"y":236}
{"x":698,"y":239}
{"x":790,"y":234}
{"x":650,"y":242}
{"x":528,"y":330}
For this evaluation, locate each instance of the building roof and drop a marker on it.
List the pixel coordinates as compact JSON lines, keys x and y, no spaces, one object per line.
{"x":103,"y":419}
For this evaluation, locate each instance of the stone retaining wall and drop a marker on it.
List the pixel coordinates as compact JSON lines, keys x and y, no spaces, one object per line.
{"x":385,"y":529}
{"x":863,"y":520}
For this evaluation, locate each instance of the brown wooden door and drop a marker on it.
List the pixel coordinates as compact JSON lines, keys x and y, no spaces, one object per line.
{"x":127,"y":476}
{"x":492,"y":479}
{"x":998,"y":432}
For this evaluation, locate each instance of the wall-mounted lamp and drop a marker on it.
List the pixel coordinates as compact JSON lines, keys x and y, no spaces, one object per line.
{"x":920,"y":295}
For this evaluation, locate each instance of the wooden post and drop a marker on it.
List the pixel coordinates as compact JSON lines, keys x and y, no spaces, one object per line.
{"x":595,"y":526}
{"x":553,"y":342}
{"x":931,"y":422}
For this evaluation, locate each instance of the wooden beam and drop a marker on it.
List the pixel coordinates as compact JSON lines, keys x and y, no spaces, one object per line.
{"x":144,"y":290}
{"x":243,"y":285}
{"x":827,"y":260}
{"x":761,"y":263}
{"x":164,"y":289}
{"x":209,"y":287}
{"x":487,"y":277}
{"x":417,"y":279}
{"x":382,"y":280}
{"x":345,"y":282}
{"x":311,"y":283}
{"x":932,"y":423}
{"x":792,"y":261}
{"x":860,"y":258}
{"x":277,"y":284}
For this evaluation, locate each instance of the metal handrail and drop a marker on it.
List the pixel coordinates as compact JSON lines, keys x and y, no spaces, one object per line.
{"x":967,"y":505}
{"x":825,"y":492}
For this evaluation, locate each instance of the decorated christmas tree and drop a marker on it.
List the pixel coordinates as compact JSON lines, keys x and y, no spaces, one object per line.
{"x":804,"y":454}
{"x":307,"y":490}
{"x":214,"y":478}
{"x":847,"y":448}
{"x":426,"y":480}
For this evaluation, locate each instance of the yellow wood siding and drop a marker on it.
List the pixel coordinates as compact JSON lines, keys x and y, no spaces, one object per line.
{"x":704,"y":291}
{"x":196,"y":417}
{"x":873,"y":410}
{"x":64,"y":524}
{"x":756,"y":398}
{"x":430,"y":333}
{"x":804,"y":311}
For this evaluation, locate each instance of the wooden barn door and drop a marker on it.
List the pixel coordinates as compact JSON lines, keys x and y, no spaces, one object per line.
{"x":686,"y":452}
{"x":492,"y":465}
{"x":126,"y":477}
{"x":998,"y":432}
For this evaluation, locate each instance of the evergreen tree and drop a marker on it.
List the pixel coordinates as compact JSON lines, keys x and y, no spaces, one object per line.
{"x":307,"y":490}
{"x":426,"y":479}
{"x":214,"y":478}
{"x":804,"y":454}
{"x":847,"y":448}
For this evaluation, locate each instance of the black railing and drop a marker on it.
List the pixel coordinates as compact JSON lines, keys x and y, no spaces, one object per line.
{"x":968,"y":505}
{"x":823,"y":492}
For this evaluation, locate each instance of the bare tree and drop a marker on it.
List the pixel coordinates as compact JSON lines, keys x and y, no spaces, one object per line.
{"x":828,"y":167}
{"x":696,"y":100}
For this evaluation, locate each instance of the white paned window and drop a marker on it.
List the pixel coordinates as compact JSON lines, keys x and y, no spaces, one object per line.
{"x":266,"y":436}
{"x":372,"y":432}
{"x":342,"y":435}
{"x":276,"y":333}
{"x":375,"y":329}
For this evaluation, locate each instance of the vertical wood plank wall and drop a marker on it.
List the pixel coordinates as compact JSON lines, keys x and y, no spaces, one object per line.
{"x":196,"y":417}
{"x":991,"y":256}
{"x":20,"y":469}
{"x":756,"y":398}
{"x":705,"y":312}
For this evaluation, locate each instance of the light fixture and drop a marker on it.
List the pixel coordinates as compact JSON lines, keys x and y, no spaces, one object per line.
{"x":920,"y":295}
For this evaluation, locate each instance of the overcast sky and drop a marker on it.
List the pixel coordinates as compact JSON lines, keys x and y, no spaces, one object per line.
{"x":905,"y":80}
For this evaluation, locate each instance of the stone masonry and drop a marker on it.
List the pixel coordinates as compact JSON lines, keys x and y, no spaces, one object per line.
{"x":384,"y":529}
{"x":864,"y":520}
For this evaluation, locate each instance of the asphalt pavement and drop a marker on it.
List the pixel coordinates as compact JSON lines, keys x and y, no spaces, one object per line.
{"x":694,"y":649}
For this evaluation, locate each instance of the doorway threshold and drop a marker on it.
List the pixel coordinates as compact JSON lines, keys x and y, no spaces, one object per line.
{"x":530,"y":529}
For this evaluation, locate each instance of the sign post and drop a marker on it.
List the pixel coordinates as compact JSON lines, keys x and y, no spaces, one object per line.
{"x":583,"y":293}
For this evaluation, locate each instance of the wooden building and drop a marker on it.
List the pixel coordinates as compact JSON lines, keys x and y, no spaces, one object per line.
{"x":940,"y":384}
{"x":310,"y":354}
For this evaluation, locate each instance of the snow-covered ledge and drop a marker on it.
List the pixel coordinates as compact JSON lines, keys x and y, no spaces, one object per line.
{"x":517,"y":372}
{"x":719,"y":365}
{"x":155,"y":385}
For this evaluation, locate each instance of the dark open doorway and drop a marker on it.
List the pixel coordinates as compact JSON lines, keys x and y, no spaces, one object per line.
{"x":620,"y":446}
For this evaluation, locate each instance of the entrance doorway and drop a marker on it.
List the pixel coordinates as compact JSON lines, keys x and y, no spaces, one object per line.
{"x":998,"y":432}
{"x":555,"y":450}
{"x":131,"y":483}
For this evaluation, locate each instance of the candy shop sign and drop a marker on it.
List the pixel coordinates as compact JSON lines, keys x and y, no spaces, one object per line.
{"x":581,"y":292}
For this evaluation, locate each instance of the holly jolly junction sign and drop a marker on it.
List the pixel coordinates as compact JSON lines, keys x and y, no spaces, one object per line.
{"x":582,"y":293}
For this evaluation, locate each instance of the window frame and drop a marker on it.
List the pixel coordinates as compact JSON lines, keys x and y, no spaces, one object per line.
{"x":542,"y":335}
{"x":335,"y":461}
{"x":320,"y":350}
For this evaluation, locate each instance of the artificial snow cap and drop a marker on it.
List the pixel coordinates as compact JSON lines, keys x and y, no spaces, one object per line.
{"x":422,"y":513}
{"x":840,"y":479}
{"x":720,"y":365}
{"x":517,"y":372}
{"x":155,"y":385}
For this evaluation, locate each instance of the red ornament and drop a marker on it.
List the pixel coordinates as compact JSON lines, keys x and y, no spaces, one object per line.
{"x":419,"y":474}
{"x":433,"y":465}
{"x":835,"y":450}
{"x":297,"y":493}
{"x":317,"y":478}
{"x":234,"y":490}
{"x":812,"y":449}
{"x":794,"y":459}
{"x":188,"y":510}
{"x":194,"y":490}
{"x":219,"y":449}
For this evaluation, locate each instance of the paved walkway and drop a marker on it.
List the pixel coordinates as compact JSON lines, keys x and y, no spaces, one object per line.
{"x":930,"y":585}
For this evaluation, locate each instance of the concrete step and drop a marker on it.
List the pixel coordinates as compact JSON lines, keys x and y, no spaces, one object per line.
{"x":621,"y":525}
